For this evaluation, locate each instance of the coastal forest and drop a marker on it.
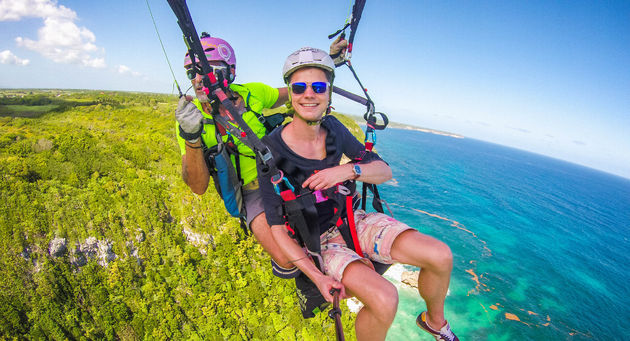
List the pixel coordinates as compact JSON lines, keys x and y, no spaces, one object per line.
{"x":100,"y":239}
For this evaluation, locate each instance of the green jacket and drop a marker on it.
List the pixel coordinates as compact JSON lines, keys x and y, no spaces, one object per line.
{"x":257,"y":96}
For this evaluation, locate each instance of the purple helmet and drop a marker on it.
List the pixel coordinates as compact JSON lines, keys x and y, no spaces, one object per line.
{"x":216,"y":49}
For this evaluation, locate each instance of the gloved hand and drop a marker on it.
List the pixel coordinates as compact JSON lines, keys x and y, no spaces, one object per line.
{"x":189,"y":119}
{"x":338,"y":50}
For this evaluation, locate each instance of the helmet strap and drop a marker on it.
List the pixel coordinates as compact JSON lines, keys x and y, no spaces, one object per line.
{"x":312,"y":123}
{"x":231,"y":75}
{"x":308,"y":122}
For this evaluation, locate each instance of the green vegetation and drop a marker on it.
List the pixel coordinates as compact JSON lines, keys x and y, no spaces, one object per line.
{"x":16,"y":103}
{"x":107,"y":166}
{"x":26,"y":110}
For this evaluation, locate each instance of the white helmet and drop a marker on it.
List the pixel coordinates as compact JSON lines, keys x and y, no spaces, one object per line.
{"x":307,"y":56}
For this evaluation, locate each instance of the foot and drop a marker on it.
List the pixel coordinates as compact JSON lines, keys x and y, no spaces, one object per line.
{"x":444,"y":334}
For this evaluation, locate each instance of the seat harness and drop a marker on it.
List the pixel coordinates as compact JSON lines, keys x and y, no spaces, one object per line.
{"x":300,"y":211}
{"x":299,"y":205}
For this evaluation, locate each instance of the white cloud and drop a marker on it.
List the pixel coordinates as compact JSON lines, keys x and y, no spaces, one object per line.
{"x":7,"y":57}
{"x":11,"y":10}
{"x":60,"y":39}
{"x":125,"y":70}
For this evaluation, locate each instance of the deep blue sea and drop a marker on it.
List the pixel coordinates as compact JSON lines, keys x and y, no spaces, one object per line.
{"x":540,"y":246}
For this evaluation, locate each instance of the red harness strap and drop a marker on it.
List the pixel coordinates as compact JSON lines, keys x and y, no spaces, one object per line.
{"x":352,"y":227}
{"x":286,"y":196}
{"x":289,"y":228}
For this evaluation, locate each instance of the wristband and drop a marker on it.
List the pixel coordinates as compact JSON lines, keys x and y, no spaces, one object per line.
{"x":190,"y":137}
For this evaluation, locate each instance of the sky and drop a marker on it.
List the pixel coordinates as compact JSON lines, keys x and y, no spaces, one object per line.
{"x":550,"y":77}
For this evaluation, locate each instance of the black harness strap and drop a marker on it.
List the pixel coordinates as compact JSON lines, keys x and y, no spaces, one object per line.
{"x":357,"y":10}
{"x":269,"y":122}
{"x":243,"y":209}
{"x":301,"y":214}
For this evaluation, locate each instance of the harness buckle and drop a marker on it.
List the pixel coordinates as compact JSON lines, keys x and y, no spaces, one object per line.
{"x":319,"y":196}
{"x":370,"y":139}
{"x":280,"y":178}
{"x":343,"y":190}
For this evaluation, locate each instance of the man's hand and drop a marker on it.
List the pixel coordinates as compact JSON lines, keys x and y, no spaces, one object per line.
{"x":338,"y":50}
{"x":189,"y":118}
{"x":326,"y":283}
{"x":328,"y":177}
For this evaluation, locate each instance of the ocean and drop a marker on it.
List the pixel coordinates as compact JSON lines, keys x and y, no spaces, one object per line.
{"x":540,"y":245}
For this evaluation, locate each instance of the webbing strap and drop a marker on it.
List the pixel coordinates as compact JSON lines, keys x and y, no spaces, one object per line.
{"x":352,"y":227}
{"x":242,"y":209}
{"x":301,"y":214}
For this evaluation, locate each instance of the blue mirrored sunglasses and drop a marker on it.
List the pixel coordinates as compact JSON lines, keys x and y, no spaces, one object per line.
{"x":299,"y":88}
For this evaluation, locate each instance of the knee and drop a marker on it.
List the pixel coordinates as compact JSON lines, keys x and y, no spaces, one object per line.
{"x":259,"y":225}
{"x":442,"y":259}
{"x":384,"y":303}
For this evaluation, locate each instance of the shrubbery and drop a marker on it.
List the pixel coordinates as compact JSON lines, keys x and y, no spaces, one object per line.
{"x":109,"y":167}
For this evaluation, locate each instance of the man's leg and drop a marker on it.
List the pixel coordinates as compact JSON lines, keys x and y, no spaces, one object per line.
{"x":435,"y":260}
{"x":379,"y":298}
{"x":257,"y":222}
{"x":262,"y":232}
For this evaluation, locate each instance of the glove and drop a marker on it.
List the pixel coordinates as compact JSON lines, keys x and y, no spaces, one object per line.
{"x":189,"y":119}
{"x":338,"y":50}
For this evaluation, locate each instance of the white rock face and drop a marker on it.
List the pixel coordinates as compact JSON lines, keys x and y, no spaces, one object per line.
{"x":105,"y":253}
{"x":410,"y":278}
{"x":198,"y":240}
{"x":140,"y":236}
{"x":90,"y":247}
{"x":57,"y":247}
{"x":93,"y":248}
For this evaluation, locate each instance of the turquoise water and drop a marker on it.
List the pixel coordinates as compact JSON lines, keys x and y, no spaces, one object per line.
{"x":540,"y":245}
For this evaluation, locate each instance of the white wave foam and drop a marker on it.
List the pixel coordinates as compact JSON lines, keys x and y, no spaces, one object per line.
{"x":354,"y":305}
{"x":394,"y":273}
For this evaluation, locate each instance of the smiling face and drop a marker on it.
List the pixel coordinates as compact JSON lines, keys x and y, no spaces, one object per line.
{"x":309,"y":106}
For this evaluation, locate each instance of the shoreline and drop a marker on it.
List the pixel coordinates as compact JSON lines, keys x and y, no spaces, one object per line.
{"x":361,"y":122}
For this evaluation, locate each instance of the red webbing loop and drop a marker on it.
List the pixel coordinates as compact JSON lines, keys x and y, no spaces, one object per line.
{"x":289,"y":228}
{"x":352,"y":227}
{"x":339,"y":220}
{"x":287,"y":195}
